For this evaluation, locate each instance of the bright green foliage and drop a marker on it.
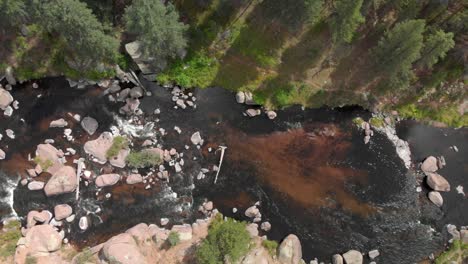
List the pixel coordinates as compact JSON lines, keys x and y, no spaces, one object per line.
{"x":8,"y":239}
{"x":143,"y":159}
{"x":12,"y":12}
{"x":84,"y":35}
{"x":358,"y":121}
{"x":198,"y":71}
{"x":118,"y":143}
{"x":271,"y":246}
{"x":173,"y":238}
{"x":158,"y":29}
{"x":435,"y":47}
{"x":346,"y":20}
{"x":398,"y":49}
{"x":225,"y":239}
{"x":457,"y":253}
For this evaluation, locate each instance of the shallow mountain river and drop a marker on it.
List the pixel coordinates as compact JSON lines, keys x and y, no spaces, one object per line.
{"x":309,"y":169}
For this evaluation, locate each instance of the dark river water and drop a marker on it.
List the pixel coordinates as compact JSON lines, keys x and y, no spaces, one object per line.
{"x":310,"y":170}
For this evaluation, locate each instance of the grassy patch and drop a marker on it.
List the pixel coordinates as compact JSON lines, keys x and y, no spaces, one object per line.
{"x":84,"y":257}
{"x":143,"y":159}
{"x":271,"y":246}
{"x":457,"y":252}
{"x":31,"y":260}
{"x":44,"y":163}
{"x":447,"y":115}
{"x":9,"y":238}
{"x":118,"y":143}
{"x":197,"y":71}
{"x":173,"y":238}
{"x":377,"y":122}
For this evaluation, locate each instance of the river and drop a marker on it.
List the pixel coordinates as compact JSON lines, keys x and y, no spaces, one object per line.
{"x":309,"y":169}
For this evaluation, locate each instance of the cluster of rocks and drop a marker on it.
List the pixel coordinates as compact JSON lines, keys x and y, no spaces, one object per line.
{"x":436,"y":182}
{"x":458,"y":234}
{"x":247,"y":98}
{"x":44,"y":233}
{"x":182,"y":99}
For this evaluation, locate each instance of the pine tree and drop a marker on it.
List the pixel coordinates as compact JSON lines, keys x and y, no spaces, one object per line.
{"x":435,"y":47}
{"x":12,"y":13}
{"x":83,"y":34}
{"x":158,"y":29}
{"x":398,"y":49}
{"x":346,"y":20}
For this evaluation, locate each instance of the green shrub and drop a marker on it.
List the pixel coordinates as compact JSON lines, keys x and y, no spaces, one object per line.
{"x":118,"y":143}
{"x":143,"y":159}
{"x":173,"y":238}
{"x":225,"y":239}
{"x":44,"y":163}
{"x":8,"y":239}
{"x":271,"y":246}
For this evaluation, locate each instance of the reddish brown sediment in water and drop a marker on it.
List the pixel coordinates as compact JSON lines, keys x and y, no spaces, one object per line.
{"x":17,"y":165}
{"x":302,"y":164}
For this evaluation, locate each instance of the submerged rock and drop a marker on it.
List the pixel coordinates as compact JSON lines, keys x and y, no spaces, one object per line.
{"x":290,"y":250}
{"x":90,"y":125}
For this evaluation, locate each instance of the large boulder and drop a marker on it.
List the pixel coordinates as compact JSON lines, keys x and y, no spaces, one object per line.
{"x":252,"y":211}
{"x":141,"y":232}
{"x":353,"y":257}
{"x":184,"y":231}
{"x":107,"y":180}
{"x":49,"y":155}
{"x":36,"y":217}
{"x":119,"y":160}
{"x":429,"y":164}
{"x":134,"y":178}
{"x":290,"y":250}
{"x":98,"y":147}
{"x":62,"y":211}
{"x":62,"y":181}
{"x":240,"y":97}
{"x":5,"y":99}
{"x":90,"y":125}
{"x":437,"y":182}
{"x":122,"y":249}
{"x":42,"y":239}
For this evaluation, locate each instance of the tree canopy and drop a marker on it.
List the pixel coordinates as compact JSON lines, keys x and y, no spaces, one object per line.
{"x":346,"y":20}
{"x":435,"y":47}
{"x":314,"y":8}
{"x":12,"y":12}
{"x":158,"y":29}
{"x":399,"y":48}
{"x":84,"y":35}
